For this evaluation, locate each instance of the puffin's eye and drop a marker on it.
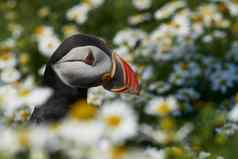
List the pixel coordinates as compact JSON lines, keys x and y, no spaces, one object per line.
{"x":89,"y":58}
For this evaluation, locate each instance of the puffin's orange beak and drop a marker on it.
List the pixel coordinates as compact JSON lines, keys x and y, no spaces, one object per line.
{"x":124,"y":79}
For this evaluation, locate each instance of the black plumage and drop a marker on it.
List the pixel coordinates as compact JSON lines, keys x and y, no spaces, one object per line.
{"x":58,"y":105}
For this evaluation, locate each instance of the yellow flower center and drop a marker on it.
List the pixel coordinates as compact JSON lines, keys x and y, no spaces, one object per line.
{"x":5,"y":56}
{"x":24,"y":115}
{"x":113,"y":120}
{"x":83,"y":111}
{"x":39,"y":30}
{"x":24,"y":92}
{"x":69,"y":29}
{"x":54,"y":127}
{"x":178,"y":151}
{"x":163,"y":108}
{"x":222,"y":7}
{"x":197,"y":18}
{"x":118,"y":152}
{"x":184,"y":66}
{"x":23,"y":138}
{"x":235,"y":27}
{"x":167,"y":124}
{"x":235,"y":1}
{"x":236,"y":97}
{"x":24,"y":59}
{"x":50,"y":45}
{"x":87,"y":1}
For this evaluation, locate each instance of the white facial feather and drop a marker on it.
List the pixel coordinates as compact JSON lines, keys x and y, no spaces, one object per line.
{"x":75,"y":73}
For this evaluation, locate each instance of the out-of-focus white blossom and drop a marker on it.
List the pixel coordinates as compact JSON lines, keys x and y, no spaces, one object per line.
{"x":169,"y":9}
{"x":158,"y":135}
{"x":9,"y":75}
{"x":120,"y":121}
{"x":7,"y":59}
{"x":38,"y":154}
{"x":9,"y":99}
{"x":129,"y":37}
{"x":44,"y":31}
{"x":142,"y":4}
{"x":233,"y":114}
{"x":9,"y":141}
{"x":184,"y":131}
{"x":48,"y":45}
{"x":156,"y":154}
{"x":31,"y":97}
{"x":162,"y":106}
{"x":70,"y":30}
{"x":97,"y":95}
{"x":204,"y":155}
{"x":94,"y":3}
{"x":212,"y":17}
{"x":78,"y":13}
{"x":47,"y":40}
{"x":139,"y":18}
{"x":82,"y":133}
{"x":14,"y":97}
{"x":39,"y":136}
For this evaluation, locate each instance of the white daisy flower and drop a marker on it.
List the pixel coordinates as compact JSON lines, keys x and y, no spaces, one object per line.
{"x":169,"y":9}
{"x":142,"y":4}
{"x":204,"y":155}
{"x":129,"y":37}
{"x":137,"y":153}
{"x":31,"y":97}
{"x":86,"y":133}
{"x":9,"y":42}
{"x":156,"y":154}
{"x":181,"y":23}
{"x":158,"y":135}
{"x":162,"y":106}
{"x":184,"y":131}
{"x":38,"y":154}
{"x":70,"y":30}
{"x":9,"y":99}
{"x":38,"y":137}
{"x":9,"y":75}
{"x":7,"y":59}
{"x":94,"y":3}
{"x":139,"y":18}
{"x":78,"y":13}
{"x":28,"y":82}
{"x":233,"y":114}
{"x":211,"y":16}
{"x":44,"y":31}
{"x":97,"y":95}
{"x":48,"y":44}
{"x":9,"y":141}
{"x":119,"y":120}
{"x":233,"y":8}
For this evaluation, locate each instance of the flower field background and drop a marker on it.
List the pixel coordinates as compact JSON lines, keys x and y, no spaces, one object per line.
{"x":186,"y":56}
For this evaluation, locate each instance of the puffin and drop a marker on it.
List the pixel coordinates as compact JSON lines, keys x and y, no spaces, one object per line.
{"x":79,"y":63}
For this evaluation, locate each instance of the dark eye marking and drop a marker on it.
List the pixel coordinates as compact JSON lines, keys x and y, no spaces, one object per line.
{"x":89,"y":58}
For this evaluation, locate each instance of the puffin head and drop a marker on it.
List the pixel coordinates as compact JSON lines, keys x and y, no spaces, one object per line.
{"x":84,"y":61}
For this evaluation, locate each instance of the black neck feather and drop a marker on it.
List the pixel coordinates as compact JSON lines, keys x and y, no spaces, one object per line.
{"x":58,"y":105}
